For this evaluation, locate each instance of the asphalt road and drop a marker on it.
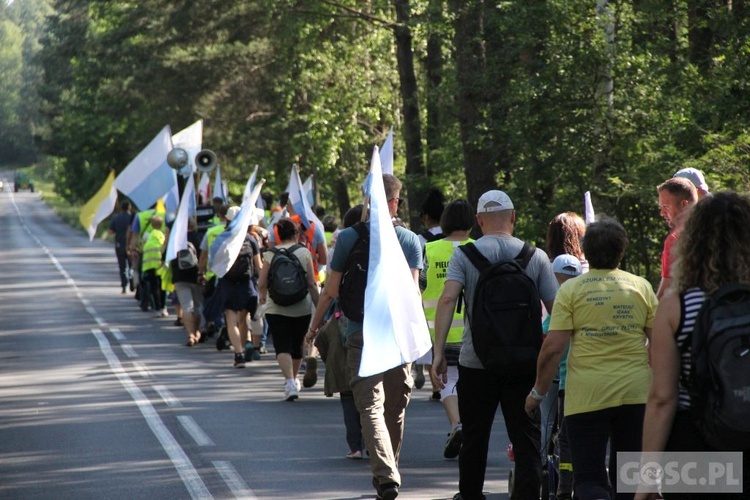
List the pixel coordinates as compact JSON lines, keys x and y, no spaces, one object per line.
{"x":101,"y":400}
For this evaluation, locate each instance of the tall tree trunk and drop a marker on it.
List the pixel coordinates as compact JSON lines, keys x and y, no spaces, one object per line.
{"x":470,"y":99}
{"x":415,"y":172}
{"x":434,"y":63}
{"x":604,"y":95}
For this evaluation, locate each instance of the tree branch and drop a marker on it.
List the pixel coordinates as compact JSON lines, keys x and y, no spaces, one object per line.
{"x":362,"y":15}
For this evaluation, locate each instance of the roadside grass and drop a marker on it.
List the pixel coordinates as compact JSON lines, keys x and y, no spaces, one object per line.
{"x":68,"y":212}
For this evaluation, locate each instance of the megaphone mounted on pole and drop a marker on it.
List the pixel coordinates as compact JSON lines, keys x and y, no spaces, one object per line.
{"x":205,"y":161}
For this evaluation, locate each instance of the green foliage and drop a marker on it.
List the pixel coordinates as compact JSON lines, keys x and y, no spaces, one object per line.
{"x":560,"y":96}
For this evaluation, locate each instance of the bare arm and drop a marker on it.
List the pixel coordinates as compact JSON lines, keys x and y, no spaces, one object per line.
{"x":663,"y":287}
{"x":443,"y":319}
{"x":330,"y":292}
{"x":665,"y":368}
{"x":552,"y":352}
{"x":263,"y":284}
{"x":312,"y":286}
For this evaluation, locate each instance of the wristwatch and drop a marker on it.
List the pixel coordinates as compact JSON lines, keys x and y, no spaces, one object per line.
{"x":536,"y":395}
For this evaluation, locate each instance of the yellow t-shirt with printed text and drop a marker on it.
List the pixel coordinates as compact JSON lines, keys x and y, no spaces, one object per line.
{"x":608,"y":311}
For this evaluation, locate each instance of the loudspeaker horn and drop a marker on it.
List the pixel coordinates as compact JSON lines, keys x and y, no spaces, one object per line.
{"x":205,"y":161}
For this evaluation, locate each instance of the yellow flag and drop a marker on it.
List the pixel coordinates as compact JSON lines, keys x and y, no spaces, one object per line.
{"x":99,"y":206}
{"x":160,"y":208}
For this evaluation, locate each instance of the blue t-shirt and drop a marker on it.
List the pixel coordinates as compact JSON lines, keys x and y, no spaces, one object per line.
{"x":345,"y":242}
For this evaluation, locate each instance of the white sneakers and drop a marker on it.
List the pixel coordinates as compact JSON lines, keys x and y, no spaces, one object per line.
{"x":291,"y":391}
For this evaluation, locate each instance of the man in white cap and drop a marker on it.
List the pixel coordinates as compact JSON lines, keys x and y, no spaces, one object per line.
{"x":676,"y":196}
{"x":696,"y":177}
{"x":480,"y":390}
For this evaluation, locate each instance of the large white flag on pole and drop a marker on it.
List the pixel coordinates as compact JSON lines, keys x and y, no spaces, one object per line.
{"x":178,"y":234}
{"x":386,"y":154}
{"x":227,"y":246}
{"x":148,"y":177}
{"x":395,"y":329}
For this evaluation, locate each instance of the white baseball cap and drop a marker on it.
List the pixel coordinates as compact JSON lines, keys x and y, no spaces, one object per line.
{"x":567,"y":264}
{"x":494,"y":201}
{"x":232,"y":213}
{"x":693,"y":175}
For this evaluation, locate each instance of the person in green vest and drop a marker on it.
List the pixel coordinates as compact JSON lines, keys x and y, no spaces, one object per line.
{"x":212,"y":311}
{"x":151,"y":262}
{"x":137,"y":235}
{"x":456,"y":222}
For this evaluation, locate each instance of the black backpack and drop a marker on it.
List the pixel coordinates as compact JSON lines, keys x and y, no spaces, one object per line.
{"x":287,"y":279}
{"x":354,"y":277}
{"x":506,"y":316}
{"x":241,"y":270}
{"x":719,"y":380}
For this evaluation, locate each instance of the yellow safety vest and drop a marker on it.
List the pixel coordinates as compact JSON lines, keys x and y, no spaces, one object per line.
{"x":152,"y":250}
{"x":211,"y":234}
{"x":438,"y":254}
{"x":144,"y":224}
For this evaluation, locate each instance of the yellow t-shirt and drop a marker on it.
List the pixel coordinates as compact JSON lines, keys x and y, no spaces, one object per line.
{"x":607,"y":310}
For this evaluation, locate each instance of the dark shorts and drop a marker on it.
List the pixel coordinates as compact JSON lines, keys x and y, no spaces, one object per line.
{"x":288,"y":333}
{"x":238,"y":296}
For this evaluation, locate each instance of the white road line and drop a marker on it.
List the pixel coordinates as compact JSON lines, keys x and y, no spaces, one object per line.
{"x":189,"y":475}
{"x":129,"y":351}
{"x":167,"y":396}
{"x":195,"y":485}
{"x":230,"y":476}
{"x":118,"y":334}
{"x":195,"y":431}
{"x":100,"y":321}
{"x":142,"y":370}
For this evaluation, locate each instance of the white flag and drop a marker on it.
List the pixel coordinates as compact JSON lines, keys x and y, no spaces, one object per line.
{"x":395,"y":329}
{"x":178,"y":234}
{"x":386,"y":154}
{"x":250,"y":185}
{"x":588,"y":208}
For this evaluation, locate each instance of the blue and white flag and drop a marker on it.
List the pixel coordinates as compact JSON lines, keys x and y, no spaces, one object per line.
{"x":298,"y":199}
{"x":250,"y":185}
{"x":307,"y":187}
{"x":227,"y":246}
{"x":386,"y":154}
{"x":148,"y":177}
{"x":191,"y":140}
{"x":219,"y":187}
{"x":588,"y":208}
{"x":395,"y":329}
{"x":172,"y":200}
{"x":178,"y":234}
{"x":204,"y":189}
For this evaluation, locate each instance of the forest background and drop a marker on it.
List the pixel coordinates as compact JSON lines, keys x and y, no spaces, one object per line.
{"x":545,"y":99}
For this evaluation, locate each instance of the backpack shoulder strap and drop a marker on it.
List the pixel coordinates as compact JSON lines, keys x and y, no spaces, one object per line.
{"x":524,"y":256}
{"x":476,"y":257}
{"x":362,"y":230}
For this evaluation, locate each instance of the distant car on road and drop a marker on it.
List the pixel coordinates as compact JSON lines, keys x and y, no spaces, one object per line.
{"x":2,"y":185}
{"x":22,"y":181}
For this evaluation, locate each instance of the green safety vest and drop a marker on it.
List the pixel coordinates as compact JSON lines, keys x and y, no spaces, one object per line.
{"x":211,"y":234}
{"x":438,"y":254}
{"x":152,"y":250}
